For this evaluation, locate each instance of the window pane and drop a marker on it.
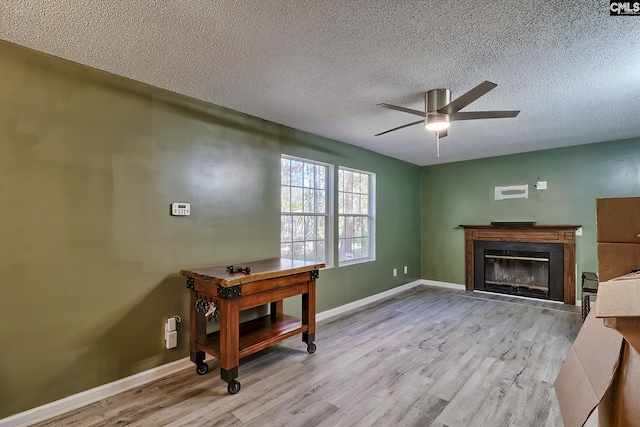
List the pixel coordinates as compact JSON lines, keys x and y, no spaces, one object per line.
{"x":285,"y":250}
{"x":340,"y":180}
{"x":321,"y":181}
{"x":355,"y":187}
{"x":298,"y":251}
{"x":364,"y":204}
{"x":365,"y":248}
{"x":321,"y":227}
{"x":321,"y":251}
{"x":341,"y":227}
{"x":321,"y":205}
{"x":309,"y":200}
{"x":356,"y":204}
{"x":296,"y":199}
{"x":356,"y":248}
{"x":310,"y":251}
{"x":310,"y":228}
{"x":348,"y":226}
{"x":348,"y":203}
{"x":285,"y":198}
{"x":364,"y":184}
{"x":348,"y":181}
{"x":285,"y":171}
{"x":296,"y":173}
{"x":298,"y":228}
{"x":286,"y":228}
{"x":357,"y":228}
{"x":309,"y":175}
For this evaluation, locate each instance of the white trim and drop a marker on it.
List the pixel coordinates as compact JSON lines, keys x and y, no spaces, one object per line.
{"x":443,"y":284}
{"x":92,"y":395}
{"x":75,"y":401}
{"x":365,"y":301}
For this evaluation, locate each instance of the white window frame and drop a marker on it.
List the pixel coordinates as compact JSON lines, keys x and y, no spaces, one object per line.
{"x":371,"y":217}
{"x":328,"y":215}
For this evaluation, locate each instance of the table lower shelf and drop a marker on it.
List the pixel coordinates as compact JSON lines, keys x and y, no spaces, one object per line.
{"x":257,"y":334}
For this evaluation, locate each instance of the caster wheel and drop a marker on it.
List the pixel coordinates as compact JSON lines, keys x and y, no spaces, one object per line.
{"x":202,"y":368}
{"x":311,"y":348}
{"x":233,"y":387}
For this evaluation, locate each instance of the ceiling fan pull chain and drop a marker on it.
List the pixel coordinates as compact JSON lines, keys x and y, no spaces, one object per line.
{"x":438,"y":142}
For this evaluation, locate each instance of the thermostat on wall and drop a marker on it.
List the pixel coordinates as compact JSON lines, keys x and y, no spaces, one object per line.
{"x":180,"y":209}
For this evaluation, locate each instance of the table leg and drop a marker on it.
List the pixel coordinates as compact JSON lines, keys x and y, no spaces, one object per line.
{"x":197,"y":332}
{"x":277,"y":307}
{"x":309,"y":316}
{"x":230,"y":343}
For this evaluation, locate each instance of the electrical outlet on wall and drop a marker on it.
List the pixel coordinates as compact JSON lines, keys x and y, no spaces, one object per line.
{"x":405,"y":269}
{"x":170,"y":333}
{"x":395,"y":272}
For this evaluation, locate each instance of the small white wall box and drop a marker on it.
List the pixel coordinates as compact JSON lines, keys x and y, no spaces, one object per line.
{"x":180,"y":209}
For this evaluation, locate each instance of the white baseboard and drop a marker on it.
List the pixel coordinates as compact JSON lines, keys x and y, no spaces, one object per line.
{"x":95,"y":394}
{"x":87,"y":397}
{"x":365,"y":301}
{"x":442,"y":284}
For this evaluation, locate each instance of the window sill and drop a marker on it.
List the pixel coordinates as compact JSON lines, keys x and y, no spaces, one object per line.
{"x":347,"y":263}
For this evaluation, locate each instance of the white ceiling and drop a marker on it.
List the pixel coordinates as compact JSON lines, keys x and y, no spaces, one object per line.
{"x":322,"y":65}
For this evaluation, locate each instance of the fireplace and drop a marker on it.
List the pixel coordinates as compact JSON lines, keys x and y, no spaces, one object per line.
{"x":519,"y":268}
{"x":522,"y":259}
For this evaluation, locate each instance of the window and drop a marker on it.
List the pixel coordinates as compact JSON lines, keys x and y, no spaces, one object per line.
{"x":356,"y":216}
{"x":306,"y":223}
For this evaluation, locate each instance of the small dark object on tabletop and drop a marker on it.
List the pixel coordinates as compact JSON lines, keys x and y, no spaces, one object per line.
{"x":236,"y":269}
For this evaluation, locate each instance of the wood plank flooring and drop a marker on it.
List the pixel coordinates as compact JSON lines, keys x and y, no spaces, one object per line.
{"x":429,"y":356}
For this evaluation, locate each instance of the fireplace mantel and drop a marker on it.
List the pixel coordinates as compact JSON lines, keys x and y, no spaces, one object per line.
{"x":521,"y":232}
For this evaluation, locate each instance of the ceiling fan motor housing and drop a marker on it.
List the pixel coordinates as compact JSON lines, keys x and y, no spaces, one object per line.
{"x":434,"y":100}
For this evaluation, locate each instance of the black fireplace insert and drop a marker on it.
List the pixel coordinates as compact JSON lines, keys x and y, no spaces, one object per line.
{"x":520,"y":268}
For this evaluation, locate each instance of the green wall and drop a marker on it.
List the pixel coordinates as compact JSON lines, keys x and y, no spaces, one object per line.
{"x":89,"y":262}
{"x":463,"y":193}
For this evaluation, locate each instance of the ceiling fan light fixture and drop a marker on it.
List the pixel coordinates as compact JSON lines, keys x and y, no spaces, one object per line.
{"x":437,"y":122}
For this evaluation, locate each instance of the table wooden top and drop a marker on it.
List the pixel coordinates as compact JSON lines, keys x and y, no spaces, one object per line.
{"x":260,"y":270}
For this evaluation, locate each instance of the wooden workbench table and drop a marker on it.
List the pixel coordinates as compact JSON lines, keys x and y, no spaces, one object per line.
{"x":268,"y":282}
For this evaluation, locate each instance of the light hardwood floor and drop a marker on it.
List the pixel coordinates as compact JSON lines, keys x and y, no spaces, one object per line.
{"x":426,"y":357}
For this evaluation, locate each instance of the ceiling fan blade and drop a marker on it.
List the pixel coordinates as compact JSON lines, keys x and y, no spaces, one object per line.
{"x":473,"y":115}
{"x":467,"y":98}
{"x":403,"y":109}
{"x":400,"y":127}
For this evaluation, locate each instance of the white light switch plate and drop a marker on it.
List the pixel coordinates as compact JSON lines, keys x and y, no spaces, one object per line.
{"x":541,"y":185}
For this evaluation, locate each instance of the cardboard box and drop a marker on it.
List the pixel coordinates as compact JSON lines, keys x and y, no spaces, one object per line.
{"x":618,"y":220}
{"x":616,"y":259}
{"x":603,"y":365}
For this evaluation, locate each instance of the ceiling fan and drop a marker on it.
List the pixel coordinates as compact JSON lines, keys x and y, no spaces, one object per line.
{"x":440,"y":111}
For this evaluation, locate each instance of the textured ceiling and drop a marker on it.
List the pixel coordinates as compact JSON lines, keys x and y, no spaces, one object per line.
{"x":322,"y":65}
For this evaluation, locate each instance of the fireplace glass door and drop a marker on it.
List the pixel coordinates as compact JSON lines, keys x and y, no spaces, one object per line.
{"x":517,"y":272}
